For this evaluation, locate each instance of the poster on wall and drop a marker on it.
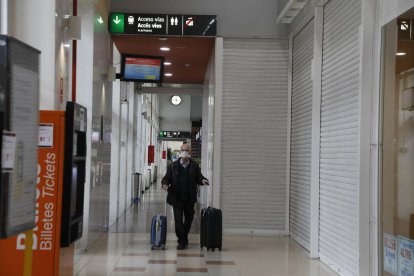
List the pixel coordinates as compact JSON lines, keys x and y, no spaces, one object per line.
{"x":405,"y":256}
{"x":390,"y":254}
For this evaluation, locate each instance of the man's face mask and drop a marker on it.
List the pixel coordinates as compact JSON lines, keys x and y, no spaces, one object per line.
{"x":185,"y":154}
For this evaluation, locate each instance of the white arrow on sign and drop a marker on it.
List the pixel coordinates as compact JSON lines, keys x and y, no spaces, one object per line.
{"x":116,"y":20}
{"x":100,"y":20}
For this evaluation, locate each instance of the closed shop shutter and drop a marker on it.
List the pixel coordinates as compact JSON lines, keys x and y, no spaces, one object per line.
{"x":301,"y":135}
{"x":254,"y":134}
{"x":340,"y":124}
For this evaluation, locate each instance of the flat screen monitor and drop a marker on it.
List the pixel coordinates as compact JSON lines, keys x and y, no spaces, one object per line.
{"x":142,"y":68}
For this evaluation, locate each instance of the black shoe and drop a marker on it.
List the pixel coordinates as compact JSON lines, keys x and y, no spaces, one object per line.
{"x":181,"y":246}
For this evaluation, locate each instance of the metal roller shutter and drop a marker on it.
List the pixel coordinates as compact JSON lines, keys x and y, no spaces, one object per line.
{"x":339,"y":158}
{"x":254,"y":134}
{"x":301,"y":136}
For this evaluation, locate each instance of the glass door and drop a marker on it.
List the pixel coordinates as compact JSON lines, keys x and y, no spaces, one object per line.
{"x":397,"y":156}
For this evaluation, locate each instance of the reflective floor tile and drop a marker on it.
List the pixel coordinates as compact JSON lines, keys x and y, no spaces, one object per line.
{"x":129,"y":269}
{"x":160,"y":269}
{"x":132,"y":261}
{"x":191,"y":262}
{"x":192,"y":274}
{"x":222,"y":271}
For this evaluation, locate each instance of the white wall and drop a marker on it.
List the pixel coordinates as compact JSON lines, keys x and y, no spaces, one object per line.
{"x":391,"y":9}
{"x":123,"y":155}
{"x":208,"y":129}
{"x":115,"y":144}
{"x":175,"y":117}
{"x":85,"y":85}
{"x":63,"y":57}
{"x":129,"y":145}
{"x":33,"y":22}
{"x":236,"y":18}
{"x":216,"y":102}
{"x":196,"y":108}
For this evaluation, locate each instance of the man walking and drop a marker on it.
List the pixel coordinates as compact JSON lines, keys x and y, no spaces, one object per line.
{"x":181,"y":182}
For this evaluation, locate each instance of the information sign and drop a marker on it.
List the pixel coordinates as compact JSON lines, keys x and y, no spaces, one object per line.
{"x":390,"y":253}
{"x":174,"y":134}
{"x":405,"y":256}
{"x":163,"y":24}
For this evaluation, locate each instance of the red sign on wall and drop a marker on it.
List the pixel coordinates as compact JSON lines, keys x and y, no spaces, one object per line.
{"x":151,"y":153}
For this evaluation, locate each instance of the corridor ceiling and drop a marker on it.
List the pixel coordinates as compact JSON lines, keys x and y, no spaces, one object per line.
{"x":189,"y":56}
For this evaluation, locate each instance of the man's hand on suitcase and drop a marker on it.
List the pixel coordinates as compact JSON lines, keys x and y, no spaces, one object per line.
{"x":165,"y":187}
{"x":204,"y":182}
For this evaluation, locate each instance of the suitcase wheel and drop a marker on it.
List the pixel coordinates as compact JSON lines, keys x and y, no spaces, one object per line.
{"x":152,"y":247}
{"x":219,"y":248}
{"x":163,"y":248}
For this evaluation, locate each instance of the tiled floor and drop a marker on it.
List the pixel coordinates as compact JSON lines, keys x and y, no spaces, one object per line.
{"x":125,"y":250}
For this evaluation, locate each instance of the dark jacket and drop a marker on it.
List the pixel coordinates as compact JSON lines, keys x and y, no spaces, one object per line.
{"x":173,"y":177}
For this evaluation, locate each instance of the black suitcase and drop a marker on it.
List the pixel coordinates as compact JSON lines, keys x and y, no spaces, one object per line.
{"x":211,"y":228}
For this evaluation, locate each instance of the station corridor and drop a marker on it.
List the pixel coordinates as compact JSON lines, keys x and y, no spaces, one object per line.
{"x":125,"y":250}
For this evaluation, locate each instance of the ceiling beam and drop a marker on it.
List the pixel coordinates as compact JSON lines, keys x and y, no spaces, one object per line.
{"x":172,"y":91}
{"x":290,"y":11}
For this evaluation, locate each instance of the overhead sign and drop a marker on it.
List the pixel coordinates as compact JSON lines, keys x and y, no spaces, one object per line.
{"x":145,"y":24}
{"x":174,"y":134}
{"x":163,"y":24}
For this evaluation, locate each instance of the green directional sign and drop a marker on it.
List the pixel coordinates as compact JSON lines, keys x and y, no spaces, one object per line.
{"x":116,"y":23}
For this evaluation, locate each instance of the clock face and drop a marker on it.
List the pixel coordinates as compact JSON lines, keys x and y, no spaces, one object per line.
{"x":175,"y":100}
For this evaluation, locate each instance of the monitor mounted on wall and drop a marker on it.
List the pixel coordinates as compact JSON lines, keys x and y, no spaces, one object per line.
{"x":139,"y":68}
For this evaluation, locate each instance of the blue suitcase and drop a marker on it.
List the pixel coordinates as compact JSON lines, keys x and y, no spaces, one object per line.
{"x":158,"y":232}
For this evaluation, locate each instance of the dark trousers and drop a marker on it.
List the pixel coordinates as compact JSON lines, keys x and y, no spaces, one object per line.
{"x":183,"y":217}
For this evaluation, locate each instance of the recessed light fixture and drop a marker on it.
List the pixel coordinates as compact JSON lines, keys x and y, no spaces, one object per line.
{"x":168,"y":74}
{"x":67,"y":45}
{"x":162,"y":38}
{"x":164,"y":49}
{"x":400,"y":54}
{"x":167,"y":63}
{"x":188,"y":65}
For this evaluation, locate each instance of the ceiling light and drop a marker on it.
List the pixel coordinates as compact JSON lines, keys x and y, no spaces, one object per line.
{"x":164,"y":49}
{"x":67,"y":45}
{"x":168,"y":74}
{"x":188,"y":65}
{"x":162,"y":38}
{"x":401,"y":54}
{"x":167,"y":63}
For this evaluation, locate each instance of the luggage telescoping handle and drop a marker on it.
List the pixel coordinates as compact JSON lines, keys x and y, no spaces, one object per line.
{"x":205,"y":204}
{"x":165,"y":203}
